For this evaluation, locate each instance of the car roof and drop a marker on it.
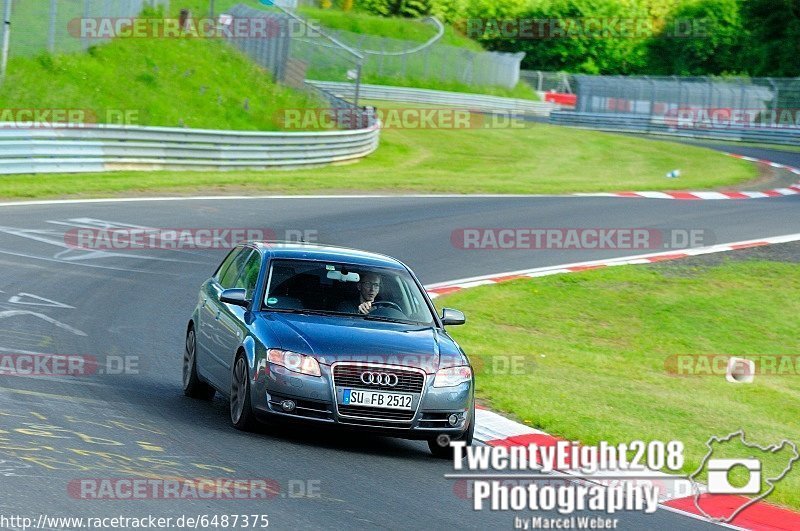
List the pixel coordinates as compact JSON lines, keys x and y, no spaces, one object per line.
{"x":306,"y":251}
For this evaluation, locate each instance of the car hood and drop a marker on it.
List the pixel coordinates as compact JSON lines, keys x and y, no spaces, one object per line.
{"x":331,"y":339}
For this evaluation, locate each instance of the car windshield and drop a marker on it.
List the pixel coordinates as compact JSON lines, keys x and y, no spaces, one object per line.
{"x":373,"y":293}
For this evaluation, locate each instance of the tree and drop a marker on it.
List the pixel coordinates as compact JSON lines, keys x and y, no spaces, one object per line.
{"x":699,"y":38}
{"x":589,"y":36}
{"x":773,"y":40}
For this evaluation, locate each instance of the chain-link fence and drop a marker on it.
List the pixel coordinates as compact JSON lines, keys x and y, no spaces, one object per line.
{"x":64,"y":26}
{"x":542,"y":81}
{"x":293,"y":51}
{"x":386,"y":58}
{"x":669,"y":96}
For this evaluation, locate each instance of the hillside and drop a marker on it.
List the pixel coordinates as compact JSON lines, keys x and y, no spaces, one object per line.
{"x":199,"y":83}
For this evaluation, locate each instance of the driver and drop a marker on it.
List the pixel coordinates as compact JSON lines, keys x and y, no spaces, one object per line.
{"x":368,"y":287}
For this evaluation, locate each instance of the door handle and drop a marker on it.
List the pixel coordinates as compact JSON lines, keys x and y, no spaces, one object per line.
{"x":218,"y":314}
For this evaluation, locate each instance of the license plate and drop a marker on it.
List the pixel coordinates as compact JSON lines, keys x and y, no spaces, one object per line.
{"x":353,"y":397}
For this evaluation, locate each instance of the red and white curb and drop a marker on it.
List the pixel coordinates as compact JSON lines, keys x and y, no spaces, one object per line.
{"x":793,"y":189}
{"x":444,"y":288}
{"x":675,"y":494}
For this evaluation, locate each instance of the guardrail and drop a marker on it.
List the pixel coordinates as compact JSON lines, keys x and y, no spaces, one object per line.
{"x":65,"y":149}
{"x":438,"y":97}
{"x":672,"y":126}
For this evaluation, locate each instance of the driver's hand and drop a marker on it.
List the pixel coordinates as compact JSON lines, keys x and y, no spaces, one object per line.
{"x":365,"y":307}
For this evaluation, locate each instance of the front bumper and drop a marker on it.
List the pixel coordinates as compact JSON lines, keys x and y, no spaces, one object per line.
{"x":318,"y":400}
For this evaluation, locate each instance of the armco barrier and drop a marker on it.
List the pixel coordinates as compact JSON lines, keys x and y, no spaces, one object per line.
{"x":63,"y":149}
{"x":438,"y":97}
{"x":666,"y":125}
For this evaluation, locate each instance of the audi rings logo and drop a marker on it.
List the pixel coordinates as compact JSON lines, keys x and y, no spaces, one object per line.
{"x":379,"y":378}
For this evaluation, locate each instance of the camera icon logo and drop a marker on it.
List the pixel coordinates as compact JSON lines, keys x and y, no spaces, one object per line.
{"x":724,"y":475}
{"x":719,"y":476}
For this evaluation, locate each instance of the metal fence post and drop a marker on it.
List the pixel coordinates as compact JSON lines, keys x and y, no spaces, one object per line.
{"x":51,"y":32}
{"x":471,"y":80}
{"x":380,"y":63}
{"x":6,"y":38}
{"x":85,"y":38}
{"x":358,"y":84}
{"x":775,"y":97}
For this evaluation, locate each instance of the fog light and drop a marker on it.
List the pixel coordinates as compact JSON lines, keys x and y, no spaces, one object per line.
{"x":453,"y":419}
{"x":288,"y":405}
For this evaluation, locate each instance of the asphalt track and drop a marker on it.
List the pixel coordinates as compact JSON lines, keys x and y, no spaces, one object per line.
{"x":136,"y":303}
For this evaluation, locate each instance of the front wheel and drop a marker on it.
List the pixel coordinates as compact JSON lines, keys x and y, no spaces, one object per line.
{"x":242,"y":416}
{"x":192,"y":385}
{"x":440,"y":445}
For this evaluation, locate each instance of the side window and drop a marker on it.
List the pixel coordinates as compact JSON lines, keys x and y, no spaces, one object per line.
{"x":230,"y":275}
{"x":249,"y":275}
{"x":223,"y":267}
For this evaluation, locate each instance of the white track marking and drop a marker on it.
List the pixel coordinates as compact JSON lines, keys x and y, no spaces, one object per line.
{"x":14,"y":313}
{"x":17,"y":299}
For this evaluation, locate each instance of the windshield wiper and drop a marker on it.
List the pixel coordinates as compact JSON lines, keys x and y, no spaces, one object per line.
{"x":306,"y":311}
{"x":389,"y":319}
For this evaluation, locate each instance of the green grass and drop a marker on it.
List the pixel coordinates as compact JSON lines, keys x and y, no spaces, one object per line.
{"x":392,"y":27}
{"x":596,"y":343}
{"x":353,"y":21}
{"x":521,"y":91}
{"x":170,"y":82}
{"x":536,"y":159}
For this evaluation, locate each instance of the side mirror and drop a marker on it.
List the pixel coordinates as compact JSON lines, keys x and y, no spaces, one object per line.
{"x":234,"y":296}
{"x":452,"y":317}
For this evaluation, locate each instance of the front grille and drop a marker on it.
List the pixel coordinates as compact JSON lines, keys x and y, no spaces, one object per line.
{"x":375,"y":413}
{"x":409,"y":381}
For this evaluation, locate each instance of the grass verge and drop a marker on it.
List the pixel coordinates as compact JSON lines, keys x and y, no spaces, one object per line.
{"x":521,"y":90}
{"x":597,"y":347}
{"x":538,"y":158}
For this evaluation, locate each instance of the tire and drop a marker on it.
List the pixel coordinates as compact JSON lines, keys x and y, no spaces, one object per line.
{"x":192,"y":385}
{"x":242,"y":416}
{"x":440,"y":445}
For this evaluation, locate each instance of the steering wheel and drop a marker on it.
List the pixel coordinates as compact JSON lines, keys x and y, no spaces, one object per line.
{"x":389,"y":304}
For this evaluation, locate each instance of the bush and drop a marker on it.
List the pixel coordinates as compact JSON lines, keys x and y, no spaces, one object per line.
{"x":397,"y":8}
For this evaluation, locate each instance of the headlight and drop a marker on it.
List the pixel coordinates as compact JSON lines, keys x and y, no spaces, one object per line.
{"x":294,"y":362}
{"x":452,"y":376}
